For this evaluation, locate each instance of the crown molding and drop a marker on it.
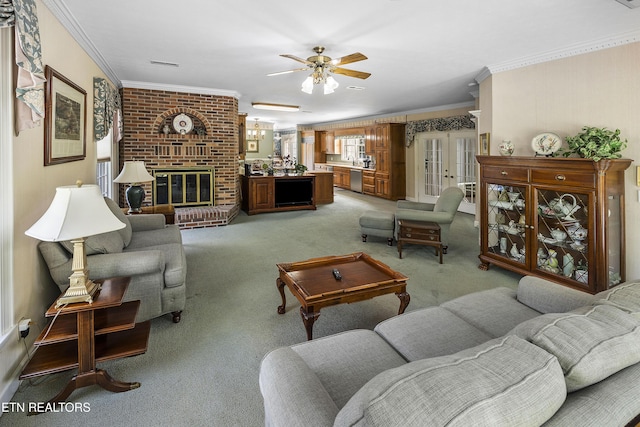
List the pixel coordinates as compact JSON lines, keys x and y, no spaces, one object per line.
{"x":552,"y":55}
{"x":60,"y":10}
{"x":179,"y":88}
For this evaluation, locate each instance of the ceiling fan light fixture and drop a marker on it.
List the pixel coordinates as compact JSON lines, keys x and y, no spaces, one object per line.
{"x":274,"y":107}
{"x":307,"y":85}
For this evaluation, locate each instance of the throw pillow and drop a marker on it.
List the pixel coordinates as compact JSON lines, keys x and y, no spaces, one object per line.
{"x":506,"y":381}
{"x":127,"y":231}
{"x":105,"y":243}
{"x":591,"y":343}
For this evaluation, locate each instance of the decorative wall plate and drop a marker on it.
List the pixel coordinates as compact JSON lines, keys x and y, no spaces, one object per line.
{"x":546,"y":143}
{"x":182,"y":123}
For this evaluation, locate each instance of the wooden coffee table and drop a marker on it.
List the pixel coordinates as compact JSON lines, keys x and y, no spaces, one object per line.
{"x":313,"y":283}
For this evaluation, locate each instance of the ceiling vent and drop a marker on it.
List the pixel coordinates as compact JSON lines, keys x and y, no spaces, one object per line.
{"x":630,"y":3}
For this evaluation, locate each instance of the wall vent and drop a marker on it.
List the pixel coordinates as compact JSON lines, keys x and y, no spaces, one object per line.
{"x":630,"y":3}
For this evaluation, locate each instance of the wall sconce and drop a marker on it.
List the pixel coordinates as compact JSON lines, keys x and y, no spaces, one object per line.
{"x":255,"y":134}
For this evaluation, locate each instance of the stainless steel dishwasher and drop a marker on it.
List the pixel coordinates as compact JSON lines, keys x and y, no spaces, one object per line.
{"x":356,"y":180}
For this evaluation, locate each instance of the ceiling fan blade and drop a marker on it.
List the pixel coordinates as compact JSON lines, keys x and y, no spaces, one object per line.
{"x":351,"y":73}
{"x":296,"y":58}
{"x":354,"y":57}
{"x":287,"y":72}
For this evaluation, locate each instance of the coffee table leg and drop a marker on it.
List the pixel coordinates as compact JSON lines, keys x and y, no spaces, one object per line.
{"x":308,"y":318}
{"x":280,"y":285}
{"x":404,"y":301}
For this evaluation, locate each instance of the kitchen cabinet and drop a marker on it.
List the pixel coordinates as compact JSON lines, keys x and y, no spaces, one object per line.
{"x":320,"y":147}
{"x":342,"y":177}
{"x":557,"y":218}
{"x":324,"y":186}
{"x":369,"y":182}
{"x":332,"y":144}
{"x":387,"y":140}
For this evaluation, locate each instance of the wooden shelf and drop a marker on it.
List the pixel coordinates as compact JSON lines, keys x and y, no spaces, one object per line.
{"x":105,"y":322}
{"x":63,"y":356}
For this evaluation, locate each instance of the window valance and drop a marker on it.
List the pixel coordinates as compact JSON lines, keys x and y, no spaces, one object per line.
{"x":22,"y":14}
{"x":437,"y":125}
{"x":107,"y":106}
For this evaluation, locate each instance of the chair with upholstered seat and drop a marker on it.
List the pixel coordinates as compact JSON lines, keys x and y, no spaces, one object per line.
{"x":442,"y":212}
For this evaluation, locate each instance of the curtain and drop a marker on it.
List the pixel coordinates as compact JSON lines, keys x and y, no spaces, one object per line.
{"x":107,"y":107}
{"x":30,"y":81}
{"x":440,"y":125}
{"x":7,"y":15}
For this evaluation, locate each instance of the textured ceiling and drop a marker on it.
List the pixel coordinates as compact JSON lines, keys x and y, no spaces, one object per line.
{"x":422,"y":54}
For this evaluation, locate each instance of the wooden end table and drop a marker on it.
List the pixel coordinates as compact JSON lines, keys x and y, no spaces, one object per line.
{"x":313,"y":283}
{"x":419,"y":233}
{"x":167,"y":210}
{"x":83,"y":334}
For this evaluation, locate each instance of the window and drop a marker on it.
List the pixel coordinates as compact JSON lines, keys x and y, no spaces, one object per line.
{"x":104,"y":168}
{"x":352,"y":148}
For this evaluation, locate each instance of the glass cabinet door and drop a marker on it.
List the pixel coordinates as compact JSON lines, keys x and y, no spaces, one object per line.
{"x":563,"y":229}
{"x":507,"y":222}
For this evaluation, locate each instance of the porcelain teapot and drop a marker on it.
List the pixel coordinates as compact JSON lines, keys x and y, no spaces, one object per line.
{"x":577,"y":232}
{"x":563,"y":207}
{"x":558,"y":235}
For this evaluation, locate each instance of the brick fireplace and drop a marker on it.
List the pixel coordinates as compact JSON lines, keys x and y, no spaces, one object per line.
{"x":214,"y":146}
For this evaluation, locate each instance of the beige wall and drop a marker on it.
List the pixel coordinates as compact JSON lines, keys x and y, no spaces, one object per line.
{"x":600,"y":89}
{"x":34,"y":187}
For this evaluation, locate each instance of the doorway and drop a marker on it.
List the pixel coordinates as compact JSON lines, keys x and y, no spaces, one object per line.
{"x":445,"y":159}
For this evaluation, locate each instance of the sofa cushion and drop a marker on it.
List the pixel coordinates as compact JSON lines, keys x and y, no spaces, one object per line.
{"x":506,"y":381}
{"x":105,"y":243}
{"x":625,"y":296}
{"x":429,"y":332}
{"x":494,"y":311}
{"x":127,"y":231}
{"x":590,"y":343}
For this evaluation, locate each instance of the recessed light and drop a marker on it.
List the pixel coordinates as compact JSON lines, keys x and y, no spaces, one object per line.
{"x":355,"y":87}
{"x":166,"y":63}
{"x":274,"y":107}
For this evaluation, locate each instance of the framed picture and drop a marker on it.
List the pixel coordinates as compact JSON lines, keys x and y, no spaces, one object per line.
{"x":65,"y":120}
{"x":252,"y":146}
{"x":484,"y":144}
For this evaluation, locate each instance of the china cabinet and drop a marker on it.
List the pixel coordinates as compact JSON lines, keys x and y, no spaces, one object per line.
{"x":557,"y":218}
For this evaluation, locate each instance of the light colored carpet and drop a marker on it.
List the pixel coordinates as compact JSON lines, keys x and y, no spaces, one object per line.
{"x":204,"y":370}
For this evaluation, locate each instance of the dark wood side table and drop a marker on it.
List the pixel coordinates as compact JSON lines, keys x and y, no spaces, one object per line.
{"x":83,"y":334}
{"x":419,"y":233}
{"x":167,"y":210}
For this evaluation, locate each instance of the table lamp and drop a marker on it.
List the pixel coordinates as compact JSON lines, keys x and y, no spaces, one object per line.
{"x":76,"y":212}
{"x":134,"y":173}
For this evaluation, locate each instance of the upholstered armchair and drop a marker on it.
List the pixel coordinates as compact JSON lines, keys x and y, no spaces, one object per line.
{"x":442,"y":212}
{"x":147,"y":250}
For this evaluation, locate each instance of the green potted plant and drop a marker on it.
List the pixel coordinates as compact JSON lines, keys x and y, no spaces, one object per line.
{"x":300,"y":168}
{"x":596,"y":144}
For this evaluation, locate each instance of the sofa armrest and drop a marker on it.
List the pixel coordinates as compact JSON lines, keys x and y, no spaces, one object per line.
{"x":292,"y":392}
{"x":144,"y":222}
{"x":103,"y":266}
{"x":407,"y":204}
{"x":545,"y":296}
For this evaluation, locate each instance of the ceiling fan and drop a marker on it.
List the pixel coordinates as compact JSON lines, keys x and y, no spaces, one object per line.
{"x":322,"y":66}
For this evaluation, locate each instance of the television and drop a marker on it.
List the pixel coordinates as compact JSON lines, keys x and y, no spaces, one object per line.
{"x":293,"y":191}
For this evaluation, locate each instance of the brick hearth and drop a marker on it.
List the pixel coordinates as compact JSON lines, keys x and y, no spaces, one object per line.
{"x":205,"y":216}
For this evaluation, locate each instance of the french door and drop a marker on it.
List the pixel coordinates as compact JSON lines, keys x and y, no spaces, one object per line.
{"x":446,"y":159}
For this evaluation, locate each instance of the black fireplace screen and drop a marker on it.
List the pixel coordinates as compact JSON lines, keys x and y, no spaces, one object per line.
{"x":183,"y":187}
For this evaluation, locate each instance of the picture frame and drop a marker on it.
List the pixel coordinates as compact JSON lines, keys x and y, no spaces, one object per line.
{"x":484,"y":142}
{"x":65,"y":120}
{"x":252,"y":146}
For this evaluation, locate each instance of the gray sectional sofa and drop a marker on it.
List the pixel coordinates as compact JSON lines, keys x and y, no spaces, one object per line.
{"x":147,"y":250}
{"x":542,"y":355}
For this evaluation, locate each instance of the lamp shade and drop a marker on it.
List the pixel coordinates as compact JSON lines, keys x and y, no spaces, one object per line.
{"x":133,"y":172}
{"x":77,"y":211}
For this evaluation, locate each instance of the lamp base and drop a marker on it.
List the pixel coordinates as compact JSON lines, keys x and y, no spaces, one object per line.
{"x":135,"y":196}
{"x":79,"y":294}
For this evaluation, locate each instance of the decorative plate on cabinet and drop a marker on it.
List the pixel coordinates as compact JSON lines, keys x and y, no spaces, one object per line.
{"x":546,"y":143}
{"x":182,"y":123}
